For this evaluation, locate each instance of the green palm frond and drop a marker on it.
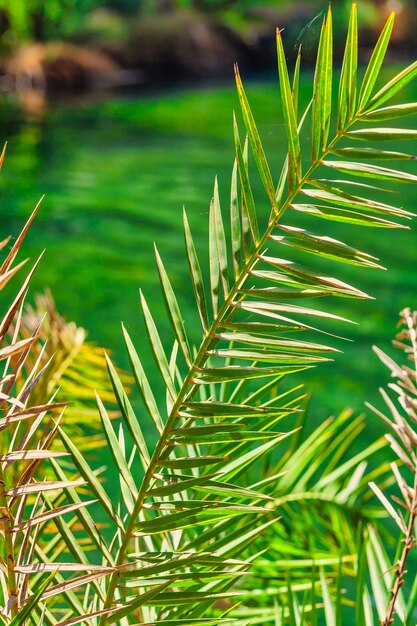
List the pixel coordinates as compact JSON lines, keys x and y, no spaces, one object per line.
{"x":321,"y":492}
{"x":328,"y":597}
{"x":384,"y":593}
{"x":182,"y":514}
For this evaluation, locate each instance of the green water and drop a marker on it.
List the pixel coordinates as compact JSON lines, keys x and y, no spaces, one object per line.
{"x":116,"y":174}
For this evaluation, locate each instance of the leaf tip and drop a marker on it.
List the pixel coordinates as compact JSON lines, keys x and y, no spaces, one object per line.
{"x":158,"y":256}
{"x":3,"y":154}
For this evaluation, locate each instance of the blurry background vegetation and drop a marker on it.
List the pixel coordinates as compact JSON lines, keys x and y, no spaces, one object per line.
{"x":23,"y":21}
{"x":129,"y":118}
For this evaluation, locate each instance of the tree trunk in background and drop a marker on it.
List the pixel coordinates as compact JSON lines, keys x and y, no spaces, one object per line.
{"x":38,"y":25}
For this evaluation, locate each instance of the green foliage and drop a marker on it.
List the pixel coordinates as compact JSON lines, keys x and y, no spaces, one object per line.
{"x":52,"y":19}
{"x":173,"y":537}
{"x":29,"y":20}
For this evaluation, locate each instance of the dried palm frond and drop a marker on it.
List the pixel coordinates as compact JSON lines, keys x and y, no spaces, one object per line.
{"x":29,"y":502}
{"x":75,"y":370}
{"x":402,"y":422}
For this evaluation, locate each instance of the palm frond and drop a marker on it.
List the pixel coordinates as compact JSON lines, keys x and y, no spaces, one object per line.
{"x":29,"y":502}
{"x":402,"y":437}
{"x":190,"y":511}
{"x":69,"y":360}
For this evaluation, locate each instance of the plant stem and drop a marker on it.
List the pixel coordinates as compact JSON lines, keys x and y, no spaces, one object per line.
{"x":9,"y":546}
{"x":409,"y":543}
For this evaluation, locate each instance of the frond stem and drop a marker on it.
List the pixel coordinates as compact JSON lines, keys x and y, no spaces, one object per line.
{"x":8,"y":546}
{"x":409,"y":542}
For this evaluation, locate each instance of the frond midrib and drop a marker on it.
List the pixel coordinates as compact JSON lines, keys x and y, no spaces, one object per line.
{"x":224,"y":314}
